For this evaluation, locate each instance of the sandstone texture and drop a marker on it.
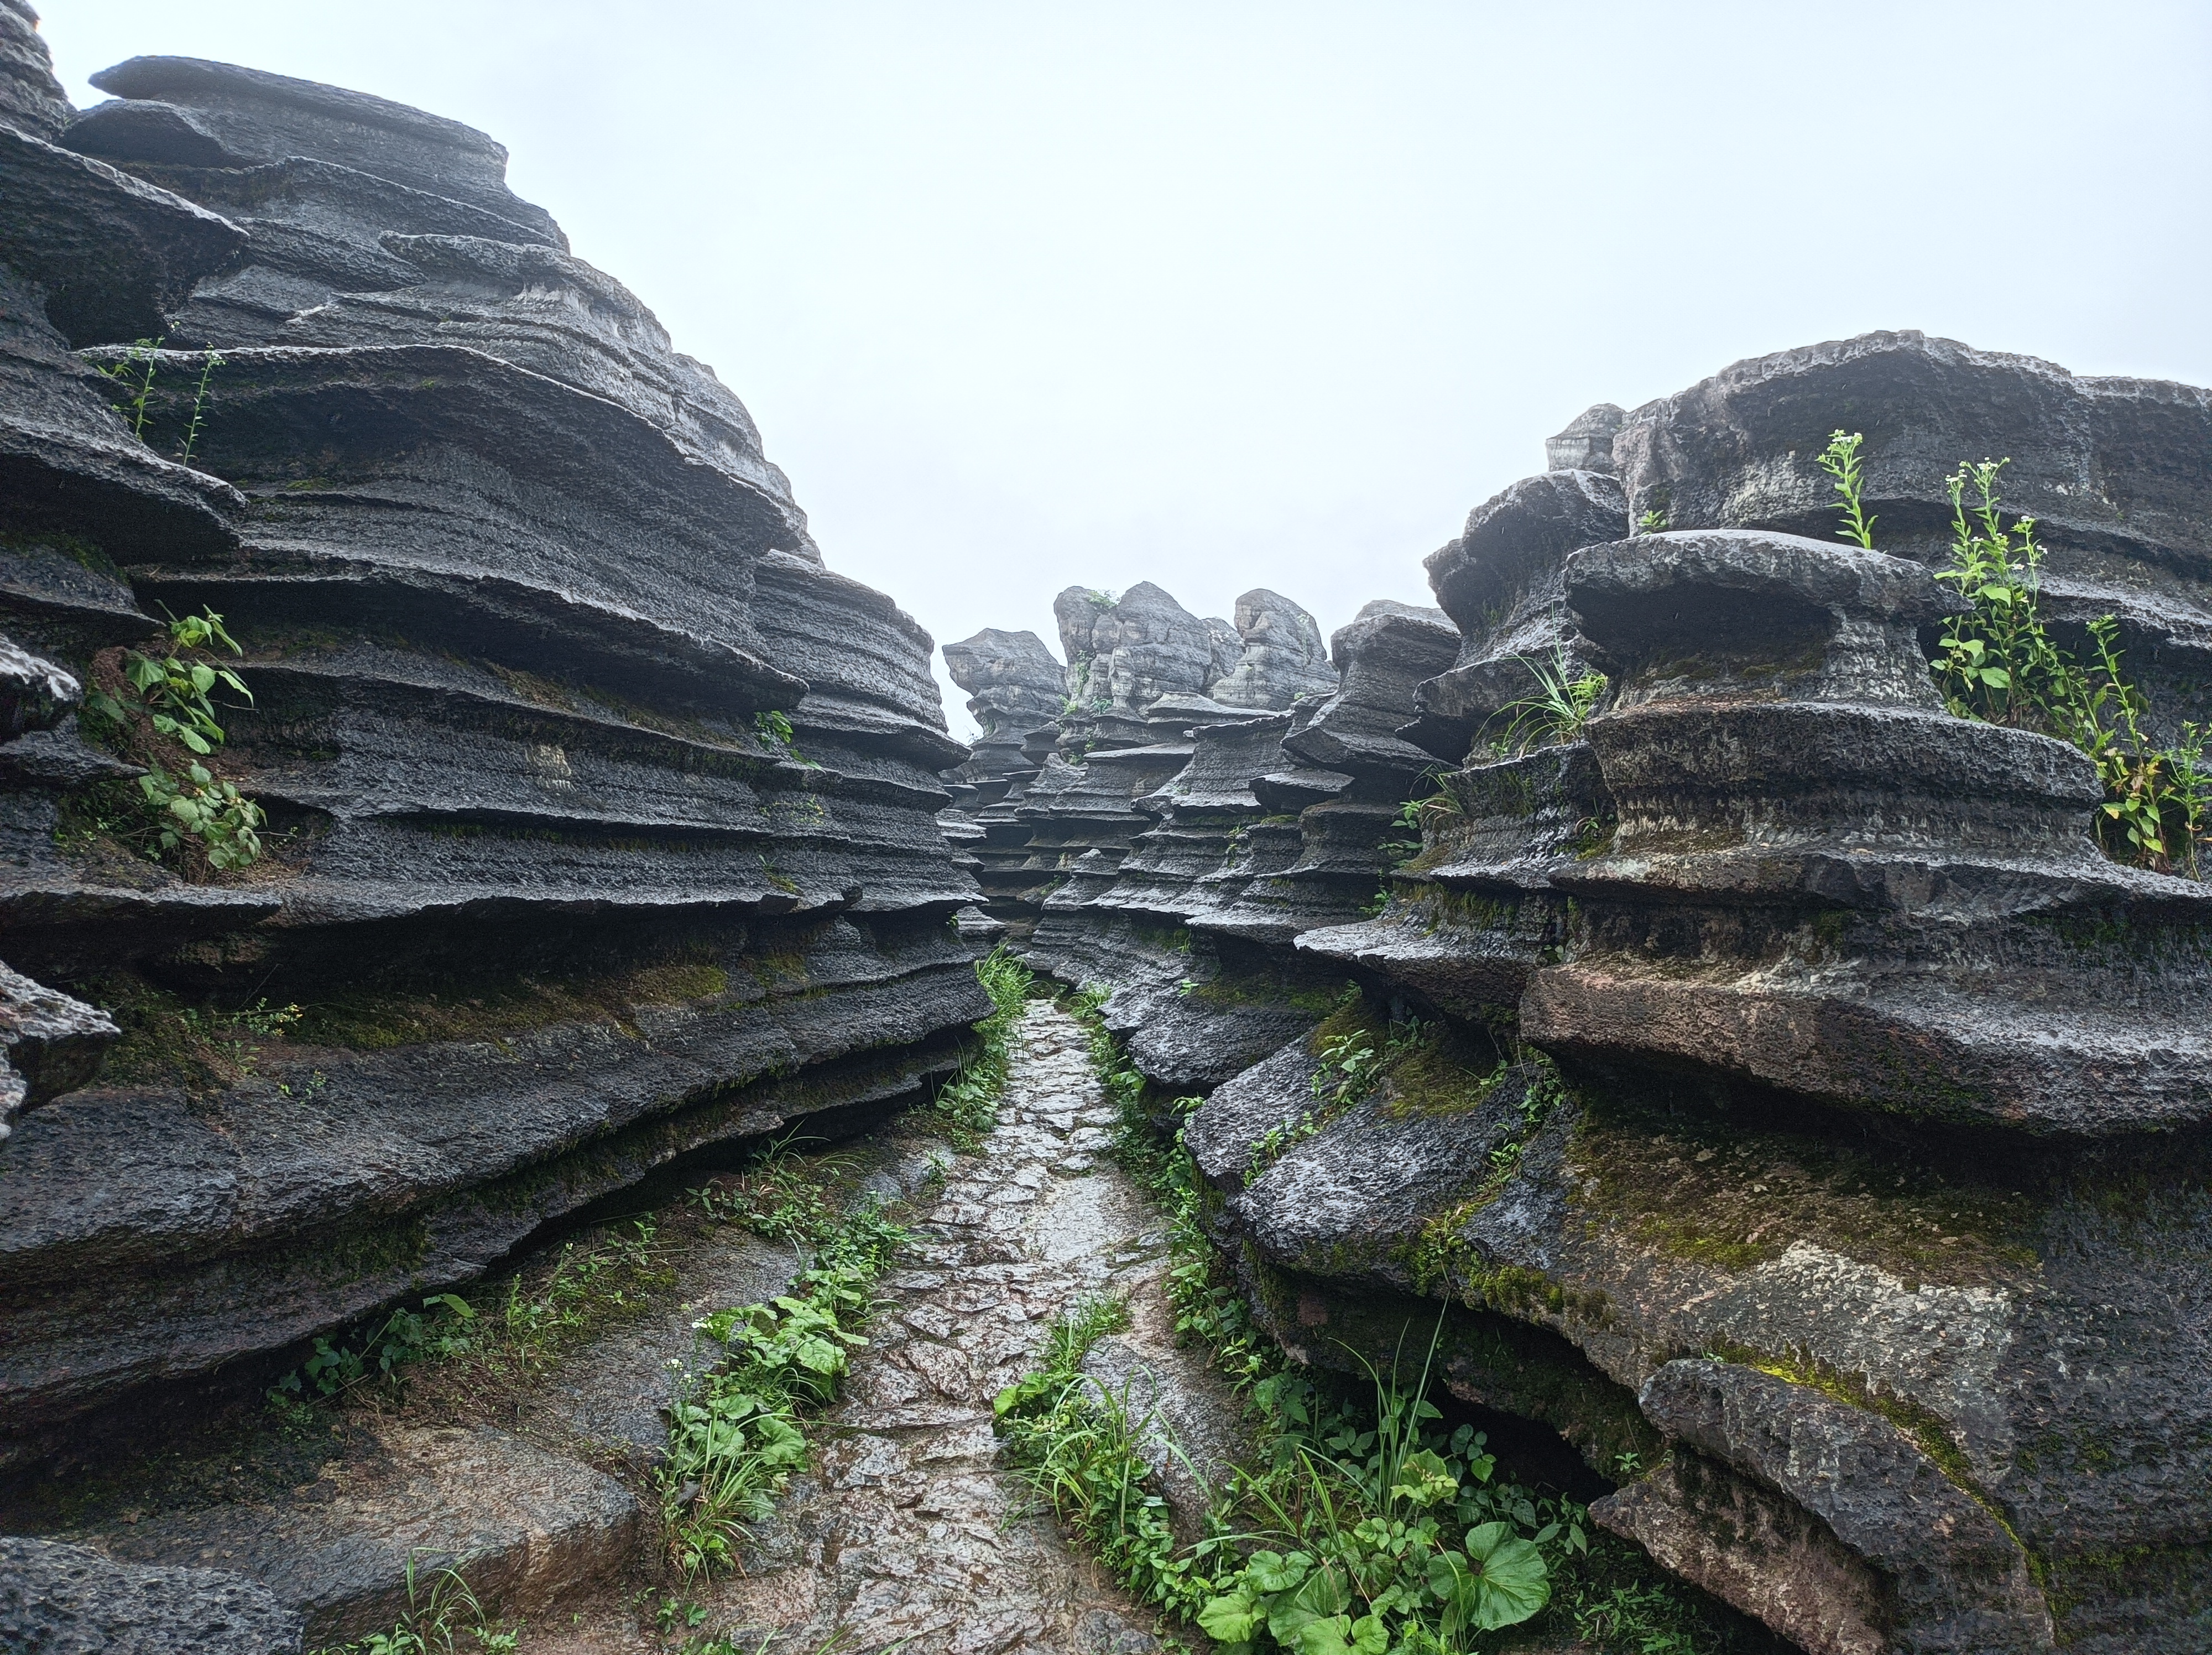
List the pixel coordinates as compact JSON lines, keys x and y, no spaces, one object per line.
{"x":601,"y":816}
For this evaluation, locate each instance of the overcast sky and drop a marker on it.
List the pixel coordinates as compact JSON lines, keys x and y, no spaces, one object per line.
{"x":1224,"y":296}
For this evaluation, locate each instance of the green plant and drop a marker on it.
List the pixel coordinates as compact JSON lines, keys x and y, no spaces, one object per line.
{"x":1840,"y":460}
{"x":735,"y":1435}
{"x":1652,"y":522}
{"x":198,"y":419}
{"x":967,"y":1106}
{"x":1554,"y":711}
{"x":433,"y":1625}
{"x":199,"y":809}
{"x":176,"y":687}
{"x":190,"y":808}
{"x":445,"y":1326}
{"x":1997,"y":662}
{"x":135,"y":374}
{"x":1098,"y":597}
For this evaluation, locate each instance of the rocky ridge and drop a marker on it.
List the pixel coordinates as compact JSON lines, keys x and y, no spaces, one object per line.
{"x":1767,"y":1066}
{"x":600,"y":815}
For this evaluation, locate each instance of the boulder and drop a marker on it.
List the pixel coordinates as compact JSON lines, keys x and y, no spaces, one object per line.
{"x":2108,"y":468}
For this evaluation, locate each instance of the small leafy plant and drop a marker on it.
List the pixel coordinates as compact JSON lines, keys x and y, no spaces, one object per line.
{"x":1556,"y":710}
{"x":735,"y":1435}
{"x":1999,"y":663}
{"x":190,"y":809}
{"x":1840,"y":460}
{"x":134,"y":375}
{"x":1652,"y":522}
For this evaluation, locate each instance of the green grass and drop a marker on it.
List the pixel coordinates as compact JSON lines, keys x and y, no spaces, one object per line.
{"x":1361,"y":1517}
{"x":447,"y":1619}
{"x":737,"y":1432}
{"x":967,"y":1106}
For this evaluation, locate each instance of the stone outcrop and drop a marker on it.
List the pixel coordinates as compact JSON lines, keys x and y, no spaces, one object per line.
{"x":601,"y":817}
{"x":1017,"y":692}
{"x":1799,"y":1095}
{"x":2111,"y":468}
{"x":1186,"y":858}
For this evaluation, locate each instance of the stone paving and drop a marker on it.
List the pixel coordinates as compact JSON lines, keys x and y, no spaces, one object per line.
{"x":912,"y":1536}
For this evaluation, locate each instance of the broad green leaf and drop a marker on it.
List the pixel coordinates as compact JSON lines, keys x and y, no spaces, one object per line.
{"x":1512,"y":1582}
{"x":1272,"y":1572}
{"x":1232,"y":1619}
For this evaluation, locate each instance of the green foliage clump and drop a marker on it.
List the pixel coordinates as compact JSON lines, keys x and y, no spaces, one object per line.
{"x":435,"y":1625}
{"x":2000,"y":664}
{"x":736,"y":1434}
{"x":443,"y":1326}
{"x":1556,"y":710}
{"x":189,"y":812}
{"x":606,"y":1273}
{"x":967,"y":1106}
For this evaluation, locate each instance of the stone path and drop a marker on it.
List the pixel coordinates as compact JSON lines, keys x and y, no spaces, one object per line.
{"x":913,"y":1536}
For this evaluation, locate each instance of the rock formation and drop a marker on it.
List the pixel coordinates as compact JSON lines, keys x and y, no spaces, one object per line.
{"x":1801,"y":1099}
{"x":600,"y":815}
{"x":1017,"y":692}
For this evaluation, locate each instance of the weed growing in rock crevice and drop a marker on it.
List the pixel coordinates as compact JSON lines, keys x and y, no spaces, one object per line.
{"x":157,"y":710}
{"x":967,"y":1106}
{"x":1363,"y":1523}
{"x":435,"y":1623}
{"x":736,"y":1432}
{"x":1998,"y":663}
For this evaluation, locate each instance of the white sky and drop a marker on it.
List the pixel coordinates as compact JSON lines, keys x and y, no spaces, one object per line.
{"x":1223,"y":295}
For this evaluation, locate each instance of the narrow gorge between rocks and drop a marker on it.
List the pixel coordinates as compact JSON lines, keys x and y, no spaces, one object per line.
{"x":1661,"y":1105}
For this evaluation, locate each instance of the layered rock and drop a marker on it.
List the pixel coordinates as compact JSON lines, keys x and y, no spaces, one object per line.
{"x":2111,"y":468}
{"x":1017,"y":690}
{"x":601,"y":815}
{"x":1778,"y":1015}
{"x":1263,"y":828}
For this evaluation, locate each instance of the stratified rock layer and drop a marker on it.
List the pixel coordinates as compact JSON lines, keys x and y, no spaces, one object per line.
{"x":1805,"y":1104}
{"x":602,"y":816}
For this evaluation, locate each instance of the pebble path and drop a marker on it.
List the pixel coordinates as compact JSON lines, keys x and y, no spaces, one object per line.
{"x":914,"y":1536}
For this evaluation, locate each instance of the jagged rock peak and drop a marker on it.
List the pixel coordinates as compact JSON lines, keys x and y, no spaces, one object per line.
{"x":1005,"y":673}
{"x":1283,"y":656}
{"x":1125,"y":653}
{"x":188,"y":112}
{"x":1587,"y":443}
{"x":31,"y":100}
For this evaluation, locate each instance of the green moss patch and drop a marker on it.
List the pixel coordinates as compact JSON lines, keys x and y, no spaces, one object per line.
{"x":1706,"y":1189}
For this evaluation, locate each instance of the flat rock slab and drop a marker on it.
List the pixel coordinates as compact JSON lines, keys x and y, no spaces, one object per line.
{"x":525,"y":1527}
{"x":66,"y":1600}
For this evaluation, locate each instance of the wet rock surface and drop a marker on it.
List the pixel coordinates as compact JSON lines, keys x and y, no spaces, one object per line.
{"x":601,"y":815}
{"x":912,"y":1529}
{"x":57,"y":1599}
{"x":1773,"y":1027}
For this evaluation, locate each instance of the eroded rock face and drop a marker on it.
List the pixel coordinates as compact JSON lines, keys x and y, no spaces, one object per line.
{"x":1281,"y":658}
{"x":601,"y":815}
{"x":1870,"y":1097}
{"x":66,"y":1600}
{"x":2111,"y":468}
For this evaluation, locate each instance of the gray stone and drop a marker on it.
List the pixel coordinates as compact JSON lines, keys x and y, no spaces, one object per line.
{"x":608,"y":807}
{"x":57,"y":1599}
{"x":1586,"y":444}
{"x":51,"y":1044}
{"x":31,"y":100}
{"x":1282,"y":658}
{"x":1500,"y":583}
